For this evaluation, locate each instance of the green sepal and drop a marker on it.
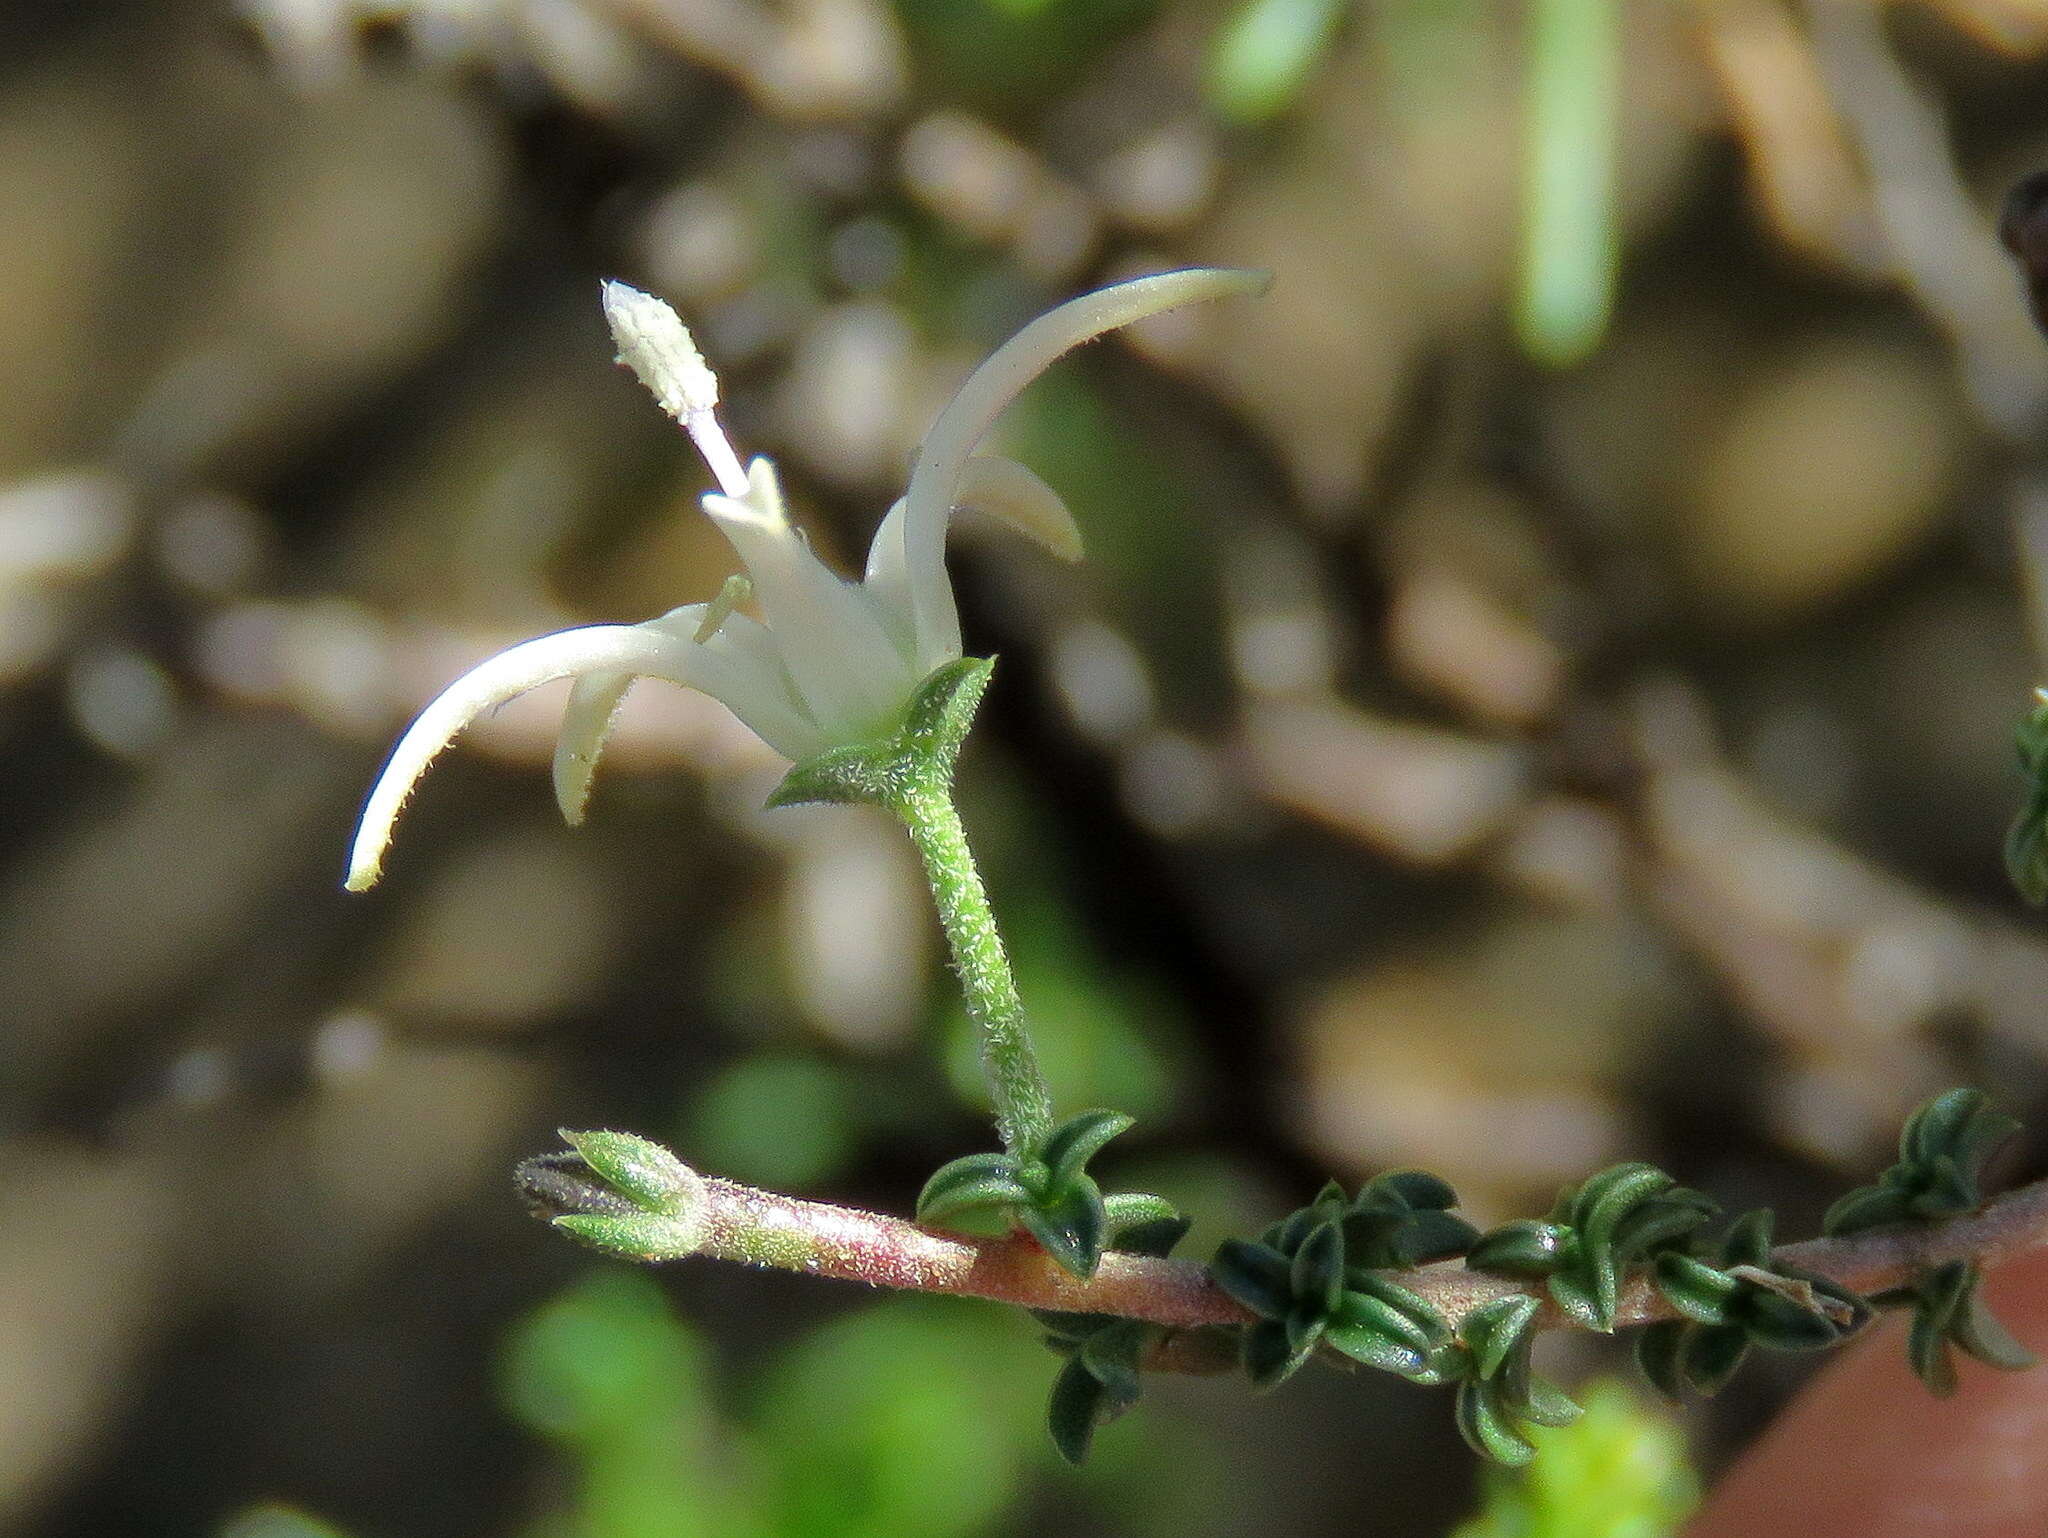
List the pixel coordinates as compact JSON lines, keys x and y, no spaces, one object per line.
{"x":645,"y":1173}
{"x":1487,"y":1427}
{"x":1695,"y":1288}
{"x":1523,"y":1248}
{"x":923,"y":747}
{"x":980,"y":1185}
{"x":647,"y":1236}
{"x":1069,"y":1225}
{"x":1494,"y":1330}
{"x":1257,"y":1275}
{"x":1075,"y":1141}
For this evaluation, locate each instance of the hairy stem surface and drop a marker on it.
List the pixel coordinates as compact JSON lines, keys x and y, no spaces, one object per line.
{"x":763,"y":1229}
{"x":1023,"y":1103}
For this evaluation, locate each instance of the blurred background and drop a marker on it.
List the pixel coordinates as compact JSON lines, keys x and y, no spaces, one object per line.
{"x":1540,"y":694}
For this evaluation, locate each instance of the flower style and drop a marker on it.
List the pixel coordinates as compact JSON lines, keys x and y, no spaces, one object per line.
{"x":835,"y":663}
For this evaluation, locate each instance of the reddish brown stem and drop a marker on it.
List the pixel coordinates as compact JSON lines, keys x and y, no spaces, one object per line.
{"x":760,"y":1228}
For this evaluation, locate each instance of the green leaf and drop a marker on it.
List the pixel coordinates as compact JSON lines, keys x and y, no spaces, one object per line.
{"x":1932,"y":1129}
{"x":1426,"y":1236}
{"x":1112,"y":1355}
{"x":1711,"y":1356}
{"x":1748,"y":1240}
{"x":645,"y":1173}
{"x":1270,"y":1358}
{"x":1486,"y":1428}
{"x":1522,"y":1248}
{"x":1361,"y":1311}
{"x":1549,"y":1405}
{"x":1069,"y":1225}
{"x":1260,"y":61}
{"x":1074,"y":1410}
{"x":634,"y":1236}
{"x":1412,"y":1306}
{"x":1375,"y":1350}
{"x":1571,"y":147}
{"x":1317,"y":1279}
{"x":978,"y":1185}
{"x":1078,"y":1139}
{"x":1602,"y":1202}
{"x":1927,"y":1351}
{"x":1866,"y":1207}
{"x":1493,"y":1330}
{"x":1416,"y":1190}
{"x":1695,"y":1288}
{"x":1155,"y":1234}
{"x":1305,"y":1322}
{"x":1660,"y":1350}
{"x":1977,"y":1330}
{"x":1660,"y":1222}
{"x":1581,"y":1305}
{"x":1258,"y":1276}
{"x":1774,"y":1320}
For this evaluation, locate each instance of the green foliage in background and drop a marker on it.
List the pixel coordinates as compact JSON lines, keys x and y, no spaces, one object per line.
{"x":911,"y":1418}
{"x":1262,"y":58}
{"x":272,"y":1521}
{"x":1619,"y":1471}
{"x":1571,"y":134}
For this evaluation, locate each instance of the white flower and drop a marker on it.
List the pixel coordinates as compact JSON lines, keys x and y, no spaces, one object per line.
{"x":836,"y":662}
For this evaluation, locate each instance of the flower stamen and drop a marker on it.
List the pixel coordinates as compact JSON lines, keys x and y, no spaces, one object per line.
{"x":656,"y":345}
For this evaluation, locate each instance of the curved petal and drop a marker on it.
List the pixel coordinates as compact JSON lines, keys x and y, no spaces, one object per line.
{"x":934,"y":483}
{"x":738,"y":661}
{"x":630,"y":649}
{"x":990,"y":484}
{"x":887,"y":582}
{"x":846,"y":669}
{"x":1004,"y":489}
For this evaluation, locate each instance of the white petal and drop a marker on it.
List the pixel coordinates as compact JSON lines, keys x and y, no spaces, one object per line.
{"x":935,"y":482}
{"x":887,"y":583}
{"x":991,"y":484}
{"x":1012,"y":492}
{"x":630,"y":649}
{"x":846,"y":669}
{"x":737,"y":665}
